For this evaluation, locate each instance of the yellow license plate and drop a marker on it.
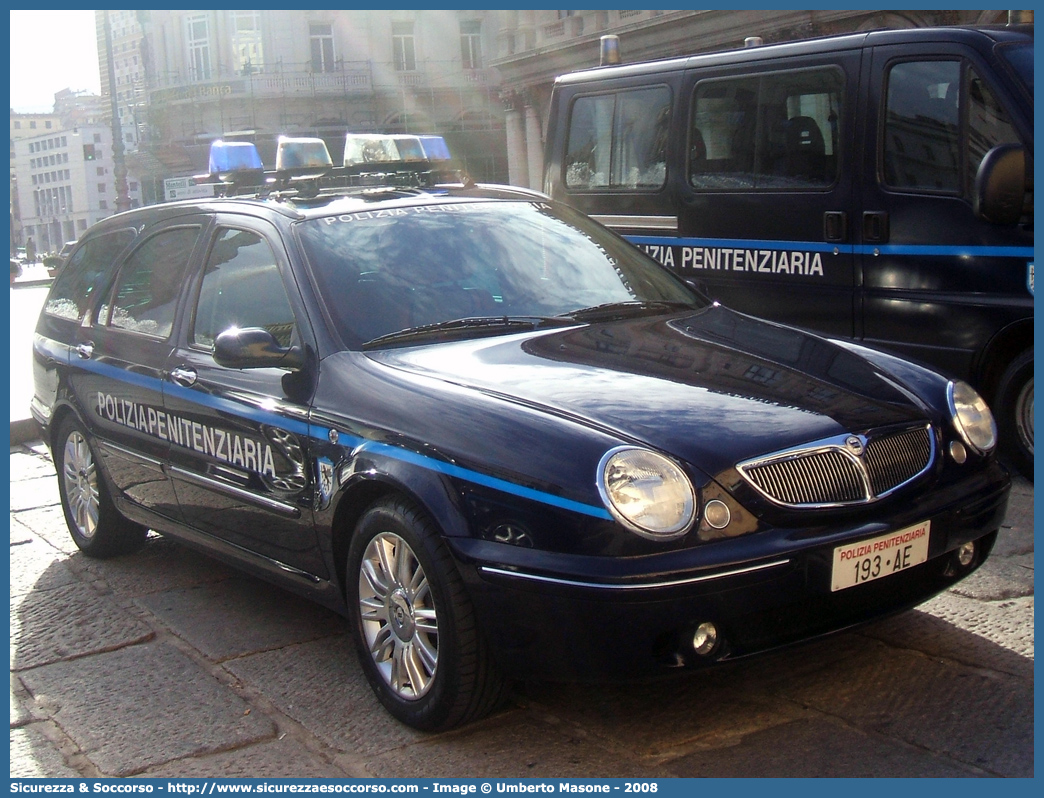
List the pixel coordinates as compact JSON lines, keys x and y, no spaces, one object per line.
{"x":867,"y":560}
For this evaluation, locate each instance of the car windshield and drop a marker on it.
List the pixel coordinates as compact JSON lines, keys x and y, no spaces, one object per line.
{"x":507,"y":265}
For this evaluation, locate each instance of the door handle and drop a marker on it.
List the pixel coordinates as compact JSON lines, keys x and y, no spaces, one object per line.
{"x":183,"y":376}
{"x":85,"y":351}
{"x":835,"y":226}
{"x":875,"y":226}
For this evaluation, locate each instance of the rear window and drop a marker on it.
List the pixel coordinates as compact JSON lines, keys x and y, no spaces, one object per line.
{"x":87,"y":271}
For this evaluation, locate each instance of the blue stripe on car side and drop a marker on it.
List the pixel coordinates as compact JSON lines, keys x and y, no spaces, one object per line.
{"x":357,"y":443}
{"x":858,"y":249}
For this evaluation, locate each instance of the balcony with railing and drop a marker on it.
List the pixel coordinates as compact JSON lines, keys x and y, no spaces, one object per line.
{"x":347,"y":78}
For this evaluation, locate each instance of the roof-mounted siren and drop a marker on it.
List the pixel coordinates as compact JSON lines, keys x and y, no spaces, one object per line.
{"x":609,"y":50}
{"x":364,"y":151}
{"x":302,"y":158}
{"x":435,"y":148}
{"x":1020,"y":17}
{"x":235,"y":162}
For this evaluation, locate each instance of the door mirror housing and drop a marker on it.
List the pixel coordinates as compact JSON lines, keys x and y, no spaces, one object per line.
{"x":1000,"y":185}
{"x":255,"y":348}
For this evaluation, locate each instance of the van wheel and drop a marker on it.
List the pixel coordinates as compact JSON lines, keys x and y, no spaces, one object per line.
{"x":414,"y":628}
{"x":1015,"y":413}
{"x":95,"y":524}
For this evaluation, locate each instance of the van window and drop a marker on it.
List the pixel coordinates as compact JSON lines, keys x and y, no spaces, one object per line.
{"x":89,"y":267}
{"x":619,"y":140}
{"x":776,"y":131}
{"x":988,"y":126}
{"x":921,"y":136}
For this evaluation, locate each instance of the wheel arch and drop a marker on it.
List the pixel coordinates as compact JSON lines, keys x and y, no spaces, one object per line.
{"x":1002,"y":349}
{"x":431,"y":492}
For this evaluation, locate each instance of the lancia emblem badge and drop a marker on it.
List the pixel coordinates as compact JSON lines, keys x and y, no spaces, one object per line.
{"x":855,"y":446}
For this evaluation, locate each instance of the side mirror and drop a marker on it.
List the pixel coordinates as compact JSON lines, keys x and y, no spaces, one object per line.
{"x":1000,"y":185}
{"x":255,"y":348}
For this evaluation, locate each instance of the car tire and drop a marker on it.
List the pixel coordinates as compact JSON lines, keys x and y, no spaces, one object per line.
{"x":414,"y":627}
{"x":1014,"y":406}
{"x":97,"y":527}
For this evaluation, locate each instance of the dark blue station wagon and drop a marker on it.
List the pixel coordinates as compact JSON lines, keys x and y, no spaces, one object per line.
{"x":496,"y":437}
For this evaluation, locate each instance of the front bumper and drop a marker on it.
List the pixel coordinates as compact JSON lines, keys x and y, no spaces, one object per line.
{"x":574,"y":617}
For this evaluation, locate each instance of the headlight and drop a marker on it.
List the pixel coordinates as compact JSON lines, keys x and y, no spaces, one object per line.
{"x":647,"y":493}
{"x":971,"y":417}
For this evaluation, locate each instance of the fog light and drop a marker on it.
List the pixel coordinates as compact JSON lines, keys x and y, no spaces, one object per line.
{"x":965,"y":554}
{"x":717,"y":514}
{"x":705,"y":639}
{"x":958,"y":452}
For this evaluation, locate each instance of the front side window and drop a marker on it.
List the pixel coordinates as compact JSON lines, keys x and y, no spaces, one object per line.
{"x":921,"y":126}
{"x":86,"y":272}
{"x":773,"y":131}
{"x":146,"y":294}
{"x":988,"y":126}
{"x":320,"y":36}
{"x":403,"y":49}
{"x":198,"y":39}
{"x":619,"y":140}
{"x":241,"y":288}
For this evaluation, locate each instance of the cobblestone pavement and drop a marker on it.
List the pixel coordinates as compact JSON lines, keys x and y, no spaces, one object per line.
{"x":167,"y":663}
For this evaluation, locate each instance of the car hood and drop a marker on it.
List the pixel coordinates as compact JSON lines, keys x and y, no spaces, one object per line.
{"x":713,"y":387}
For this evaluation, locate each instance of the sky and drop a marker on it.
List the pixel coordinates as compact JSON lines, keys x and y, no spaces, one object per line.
{"x":51,"y":51}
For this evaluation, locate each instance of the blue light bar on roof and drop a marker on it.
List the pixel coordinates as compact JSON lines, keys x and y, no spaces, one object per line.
{"x":435,"y":148}
{"x":409,"y":148}
{"x":302,"y":158}
{"x":231,"y":158}
{"x":365,"y":148}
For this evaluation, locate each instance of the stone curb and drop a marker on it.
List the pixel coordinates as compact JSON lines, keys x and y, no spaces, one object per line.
{"x":24,"y":430}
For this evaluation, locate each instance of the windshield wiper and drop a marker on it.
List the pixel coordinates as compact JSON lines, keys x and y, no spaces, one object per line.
{"x":477,"y":325}
{"x":620,"y":310}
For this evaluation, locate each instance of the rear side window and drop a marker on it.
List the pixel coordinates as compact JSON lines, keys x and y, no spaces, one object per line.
{"x":774,"y":131}
{"x":86,"y":272}
{"x":619,"y":140}
{"x":146,"y":294}
{"x":241,"y":288}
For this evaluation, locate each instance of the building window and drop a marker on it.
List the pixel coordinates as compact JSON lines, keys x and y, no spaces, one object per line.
{"x":103,"y":205}
{"x":47,"y":125}
{"x":97,"y":138}
{"x":403,"y":47}
{"x":32,"y":125}
{"x":246,"y":42}
{"x":198,"y":47}
{"x":101,"y":188}
{"x":471,"y":44}
{"x":320,"y":35}
{"x":17,"y":125}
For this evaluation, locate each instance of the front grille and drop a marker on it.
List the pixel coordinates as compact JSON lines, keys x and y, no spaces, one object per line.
{"x":846,"y":470}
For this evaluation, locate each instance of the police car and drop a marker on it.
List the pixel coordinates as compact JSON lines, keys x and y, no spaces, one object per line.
{"x":494,"y":435}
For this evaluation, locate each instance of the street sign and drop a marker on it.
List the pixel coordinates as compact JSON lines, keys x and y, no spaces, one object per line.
{"x":178,"y":188}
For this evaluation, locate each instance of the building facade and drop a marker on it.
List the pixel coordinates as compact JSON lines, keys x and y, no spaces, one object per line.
{"x":64,"y":184}
{"x":253,"y":75}
{"x":534,"y":46}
